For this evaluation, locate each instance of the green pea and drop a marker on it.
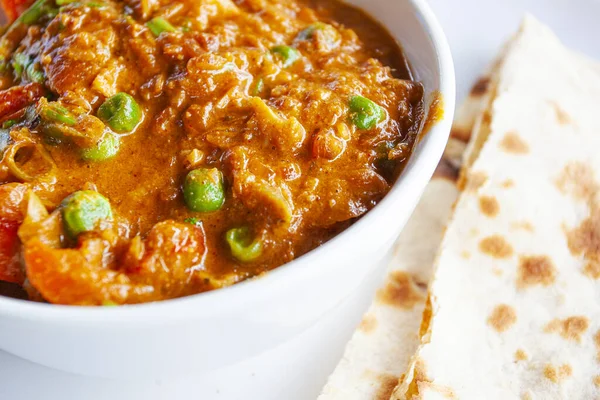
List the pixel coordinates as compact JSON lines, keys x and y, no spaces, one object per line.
{"x":365,"y":113}
{"x":243,"y":247}
{"x":159,"y":25}
{"x":54,"y":112}
{"x":203,"y":190}
{"x":107,"y":148}
{"x":120,"y":112}
{"x":9,"y":123}
{"x":289,"y":54}
{"x":82,"y":211}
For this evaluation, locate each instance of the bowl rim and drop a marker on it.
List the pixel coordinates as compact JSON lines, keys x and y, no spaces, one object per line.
{"x":234,"y":296}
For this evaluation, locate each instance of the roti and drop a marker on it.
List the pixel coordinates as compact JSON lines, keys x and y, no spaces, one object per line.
{"x":381,"y":347}
{"x":514,"y":310}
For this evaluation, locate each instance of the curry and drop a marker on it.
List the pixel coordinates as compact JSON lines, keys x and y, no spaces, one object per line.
{"x":155,"y":149}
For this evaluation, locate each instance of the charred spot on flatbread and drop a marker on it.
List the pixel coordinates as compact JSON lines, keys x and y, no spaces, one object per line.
{"x":387,"y":383}
{"x":400,"y":291}
{"x":597,"y":380}
{"x":521,"y":355}
{"x":502,"y":317}
{"x":489,"y":206}
{"x":472,"y":181}
{"x":571,"y":328}
{"x":585,"y":239}
{"x":422,"y":285}
{"x":535,"y":270}
{"x":487,"y":117}
{"x":557,"y":374}
{"x":507,"y":184}
{"x":496,"y":246}
{"x":592,"y":269}
{"x":513,"y":143}
{"x":562,"y":117}
{"x":578,"y":179}
{"x":368,"y":324}
{"x":481,"y":86}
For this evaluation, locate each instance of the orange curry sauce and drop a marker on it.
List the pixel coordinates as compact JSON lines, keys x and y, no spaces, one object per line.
{"x":215,"y":92}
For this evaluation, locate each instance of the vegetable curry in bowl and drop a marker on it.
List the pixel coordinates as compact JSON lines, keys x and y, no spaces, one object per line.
{"x":155,"y":149}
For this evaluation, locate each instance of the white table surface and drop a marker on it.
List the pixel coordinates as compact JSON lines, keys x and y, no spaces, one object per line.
{"x":475,"y":29}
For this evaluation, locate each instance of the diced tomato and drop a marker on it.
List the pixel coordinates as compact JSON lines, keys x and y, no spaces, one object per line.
{"x":64,"y":276}
{"x":10,"y":268}
{"x":18,"y":97}
{"x":11,"y":215}
{"x":14,"y":8}
{"x":172,"y":253}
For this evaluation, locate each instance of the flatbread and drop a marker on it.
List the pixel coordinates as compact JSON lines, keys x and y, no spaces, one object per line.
{"x":381,"y":348}
{"x":514,"y":308}
{"x":468,"y":114}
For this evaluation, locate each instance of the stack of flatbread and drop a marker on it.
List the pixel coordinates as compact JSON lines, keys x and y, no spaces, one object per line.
{"x":513,"y":306}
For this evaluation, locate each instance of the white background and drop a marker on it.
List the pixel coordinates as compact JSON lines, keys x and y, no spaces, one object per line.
{"x":475,"y":29}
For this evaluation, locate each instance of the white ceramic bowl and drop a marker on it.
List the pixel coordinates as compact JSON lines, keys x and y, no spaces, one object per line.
{"x":220,"y":328}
